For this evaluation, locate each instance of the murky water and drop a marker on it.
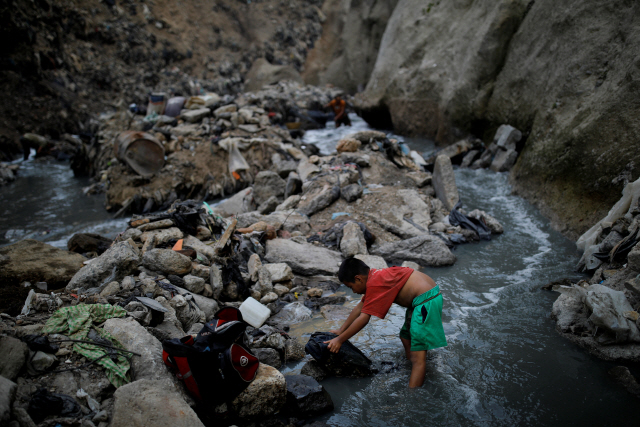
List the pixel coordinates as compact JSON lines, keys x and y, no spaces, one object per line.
{"x":505,"y":365}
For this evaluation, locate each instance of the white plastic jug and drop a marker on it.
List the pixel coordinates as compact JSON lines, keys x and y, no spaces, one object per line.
{"x":254,"y":313}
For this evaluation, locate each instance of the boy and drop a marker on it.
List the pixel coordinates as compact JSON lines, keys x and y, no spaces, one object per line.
{"x":418,"y":292}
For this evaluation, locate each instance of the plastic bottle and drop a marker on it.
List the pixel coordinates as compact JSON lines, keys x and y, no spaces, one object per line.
{"x":254,"y":313}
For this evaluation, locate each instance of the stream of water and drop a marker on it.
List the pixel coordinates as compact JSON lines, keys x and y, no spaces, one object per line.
{"x":505,"y":365}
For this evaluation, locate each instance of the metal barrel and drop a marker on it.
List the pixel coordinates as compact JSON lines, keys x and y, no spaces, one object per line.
{"x":140,"y":150}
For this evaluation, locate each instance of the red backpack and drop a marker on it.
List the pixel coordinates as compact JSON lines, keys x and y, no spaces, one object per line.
{"x":215,"y":366}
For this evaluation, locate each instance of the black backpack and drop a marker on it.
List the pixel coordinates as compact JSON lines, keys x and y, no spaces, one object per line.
{"x":215,"y":366}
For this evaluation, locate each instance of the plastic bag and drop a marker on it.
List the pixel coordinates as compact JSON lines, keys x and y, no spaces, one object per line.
{"x":39,"y":343}
{"x":91,"y":402}
{"x":236,"y":160}
{"x":348,"y":362}
{"x":43,"y":404}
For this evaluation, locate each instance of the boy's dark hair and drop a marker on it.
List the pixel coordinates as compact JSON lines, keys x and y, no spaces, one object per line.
{"x":350,"y":268}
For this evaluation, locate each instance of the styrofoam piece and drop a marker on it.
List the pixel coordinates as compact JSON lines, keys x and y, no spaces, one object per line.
{"x":254,"y":313}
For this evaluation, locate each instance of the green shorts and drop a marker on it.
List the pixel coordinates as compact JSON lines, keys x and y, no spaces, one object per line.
{"x":423,"y":322}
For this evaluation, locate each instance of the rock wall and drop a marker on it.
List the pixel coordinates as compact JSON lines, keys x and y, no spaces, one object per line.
{"x":564,"y":73}
{"x":347,"y":51}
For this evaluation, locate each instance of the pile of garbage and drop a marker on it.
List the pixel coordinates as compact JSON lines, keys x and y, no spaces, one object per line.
{"x":601,"y":314}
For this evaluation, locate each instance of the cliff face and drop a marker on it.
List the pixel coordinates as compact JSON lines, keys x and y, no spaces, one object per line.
{"x":565,"y":73}
{"x":351,"y":35}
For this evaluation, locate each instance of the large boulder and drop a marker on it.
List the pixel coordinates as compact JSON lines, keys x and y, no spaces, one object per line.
{"x":13,"y":355}
{"x":318,"y":198}
{"x":352,"y":242}
{"x":88,"y":242}
{"x":119,"y":261}
{"x":305,"y":397}
{"x":149,"y":402}
{"x":266,"y":394}
{"x":166,"y":261}
{"x":34,"y":261}
{"x":426,"y":250}
{"x":279,"y":272}
{"x":134,"y":337}
{"x":304,"y":259}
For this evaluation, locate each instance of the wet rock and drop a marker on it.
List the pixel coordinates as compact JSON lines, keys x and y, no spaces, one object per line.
{"x":373,"y":261}
{"x":425,"y":250}
{"x":504,"y":160}
{"x":121,"y":260}
{"x":293,"y":349}
{"x":240,"y":202}
{"x":305,"y":397}
{"x":352,"y":242}
{"x":290,"y":314}
{"x":162,"y":236}
{"x":134,"y":337}
{"x":318,"y":198}
{"x":444,"y":182}
{"x":469,"y":158}
{"x":348,"y":145}
{"x":351,"y":192}
{"x":88,"y":242}
{"x":266,"y":185}
{"x":317,"y":303}
{"x":303,"y":259}
{"x":13,"y":355}
{"x":507,"y":137}
{"x":265,"y":395}
{"x":7,"y":395}
{"x":491,"y":222}
{"x":314,"y":370}
{"x":166,"y":261}
{"x":151,"y":402}
{"x":194,"y":284}
{"x":290,"y":203}
{"x":34,"y":261}
{"x":268,"y":356}
{"x":279,"y":272}
{"x":485,"y":158}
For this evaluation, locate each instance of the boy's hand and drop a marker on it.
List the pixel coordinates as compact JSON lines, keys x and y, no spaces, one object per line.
{"x":334,"y":345}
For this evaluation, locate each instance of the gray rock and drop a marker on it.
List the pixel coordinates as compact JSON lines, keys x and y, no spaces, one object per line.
{"x":149,"y":402}
{"x":194,"y":284}
{"x":268,"y":184}
{"x":307,"y":169}
{"x":200,"y":247}
{"x":166,"y":261}
{"x":22,"y":417}
{"x":208,"y":305}
{"x":444,"y":182}
{"x":285,"y":167}
{"x":504,"y":160}
{"x":314,"y":370}
{"x":134,"y":337}
{"x":633,"y":259}
{"x":507,"y":137}
{"x":293,"y":350}
{"x":40,"y":362}
{"x":140,"y":312}
{"x":304,"y":259}
{"x":7,"y":395}
{"x":291,"y":314}
{"x":420,"y":178}
{"x":215,"y":280}
{"x":411,"y":264}
{"x":425,"y":250}
{"x":469,"y":158}
{"x":305,"y":397}
{"x":280,"y":290}
{"x":264,"y":284}
{"x":268,"y":356}
{"x":156,"y":225}
{"x":290,"y":202}
{"x":269,"y":205}
{"x":112,"y":288}
{"x":254,"y":265}
{"x":279,"y":272}
{"x":351,"y":192}
{"x":317,"y":199}
{"x":294,"y":185}
{"x":287,"y":220}
{"x":120,"y":260}
{"x":100,"y":417}
{"x":13,"y":355}
{"x":492,"y":223}
{"x":269,"y":298}
{"x":265,"y":396}
{"x":352,"y":242}
{"x":195,"y":116}
{"x":201,"y":271}
{"x":162,"y":236}
{"x":240,"y":202}
{"x":373,"y":261}
{"x":186,"y":312}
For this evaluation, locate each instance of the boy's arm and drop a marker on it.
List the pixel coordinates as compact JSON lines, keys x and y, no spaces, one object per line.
{"x":360,"y":322}
{"x":352,"y":316}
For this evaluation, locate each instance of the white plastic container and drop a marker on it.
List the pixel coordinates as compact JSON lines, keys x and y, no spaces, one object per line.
{"x":254,"y":313}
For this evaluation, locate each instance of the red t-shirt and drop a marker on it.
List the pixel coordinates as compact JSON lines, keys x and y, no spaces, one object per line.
{"x":383,"y":287}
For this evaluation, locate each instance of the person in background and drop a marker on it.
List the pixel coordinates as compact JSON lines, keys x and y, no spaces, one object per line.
{"x":339,"y":107}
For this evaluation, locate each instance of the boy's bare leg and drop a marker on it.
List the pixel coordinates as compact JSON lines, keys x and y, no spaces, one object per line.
{"x":418,"y":368}
{"x":407,"y":347}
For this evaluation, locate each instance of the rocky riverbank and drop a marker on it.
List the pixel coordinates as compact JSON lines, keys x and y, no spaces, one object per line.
{"x":279,"y":241}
